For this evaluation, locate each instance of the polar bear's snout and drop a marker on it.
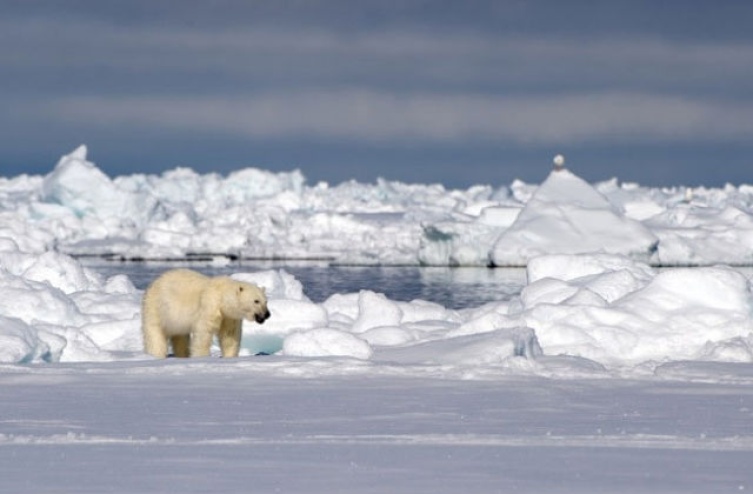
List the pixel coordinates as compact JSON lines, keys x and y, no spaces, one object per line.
{"x":260,"y":318}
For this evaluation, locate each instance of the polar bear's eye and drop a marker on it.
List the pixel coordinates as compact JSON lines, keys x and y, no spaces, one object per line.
{"x":240,"y":288}
{"x":256,"y":301}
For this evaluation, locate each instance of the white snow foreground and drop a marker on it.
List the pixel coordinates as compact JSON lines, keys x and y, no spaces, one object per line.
{"x":227,"y":426}
{"x":578,"y":315}
{"x":254,"y":213}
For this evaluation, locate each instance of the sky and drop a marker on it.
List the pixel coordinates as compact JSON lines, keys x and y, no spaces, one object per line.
{"x":452,"y":92}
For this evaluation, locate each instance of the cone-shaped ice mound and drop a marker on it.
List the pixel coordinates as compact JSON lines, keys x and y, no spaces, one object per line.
{"x":567,"y":215}
{"x":79,"y":185}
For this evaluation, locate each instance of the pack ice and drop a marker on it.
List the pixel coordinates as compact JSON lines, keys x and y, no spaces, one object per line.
{"x":77,"y":209}
{"x":601,"y":311}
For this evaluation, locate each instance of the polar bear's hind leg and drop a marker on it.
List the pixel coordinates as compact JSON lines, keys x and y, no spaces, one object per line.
{"x":155,"y":341}
{"x":201,"y":343}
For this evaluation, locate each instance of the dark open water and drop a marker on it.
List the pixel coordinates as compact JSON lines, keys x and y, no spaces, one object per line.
{"x":454,"y":288}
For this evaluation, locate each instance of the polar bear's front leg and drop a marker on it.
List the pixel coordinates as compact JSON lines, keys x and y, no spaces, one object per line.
{"x":201,"y":343}
{"x":203,"y":332}
{"x":230,"y":337}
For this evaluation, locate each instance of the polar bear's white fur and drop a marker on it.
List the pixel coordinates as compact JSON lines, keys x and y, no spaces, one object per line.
{"x":187,"y":309}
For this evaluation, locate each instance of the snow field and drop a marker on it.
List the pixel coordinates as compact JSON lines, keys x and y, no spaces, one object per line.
{"x":143,"y":426}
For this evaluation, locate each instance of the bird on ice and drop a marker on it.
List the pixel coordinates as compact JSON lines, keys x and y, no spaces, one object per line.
{"x":559,"y":162}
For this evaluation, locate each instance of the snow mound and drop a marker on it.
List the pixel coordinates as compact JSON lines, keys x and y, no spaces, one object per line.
{"x":22,"y":344}
{"x":568,"y":216}
{"x":623,"y":314}
{"x":52,"y":309}
{"x":476,"y":350}
{"x":704,"y":234}
{"x":326,"y":342}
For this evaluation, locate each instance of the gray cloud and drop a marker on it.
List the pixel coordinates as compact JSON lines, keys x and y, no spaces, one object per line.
{"x":374,"y":116}
{"x":309,"y":76}
{"x":485,"y":60}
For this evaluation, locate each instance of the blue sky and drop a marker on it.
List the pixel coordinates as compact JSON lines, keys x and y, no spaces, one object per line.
{"x":456,"y":92}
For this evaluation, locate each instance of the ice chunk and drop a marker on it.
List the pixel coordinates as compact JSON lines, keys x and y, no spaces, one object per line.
{"x":676,"y":314}
{"x":289,"y":315}
{"x":738,"y":349}
{"x":62,"y":272}
{"x":79,"y":185}
{"x":277,"y":284}
{"x":567,"y":215}
{"x":570,"y":267}
{"x":326,"y":342}
{"x":374,"y":310}
{"x":475,"y":350}
{"x":556,"y":278}
{"x":389,"y":336}
{"x":20,"y":343}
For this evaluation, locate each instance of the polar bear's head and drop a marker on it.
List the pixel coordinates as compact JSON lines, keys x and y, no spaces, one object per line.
{"x":246,"y":301}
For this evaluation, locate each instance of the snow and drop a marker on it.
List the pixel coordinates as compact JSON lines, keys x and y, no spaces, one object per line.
{"x":606,"y":366}
{"x":566,"y":215}
{"x":616,"y":317}
{"x":77,"y":209}
{"x":271,"y":426}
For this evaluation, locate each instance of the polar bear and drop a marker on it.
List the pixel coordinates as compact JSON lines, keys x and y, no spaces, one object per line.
{"x":189,"y":309}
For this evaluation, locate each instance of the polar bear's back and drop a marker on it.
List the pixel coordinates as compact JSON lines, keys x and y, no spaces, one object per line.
{"x":176,"y":295}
